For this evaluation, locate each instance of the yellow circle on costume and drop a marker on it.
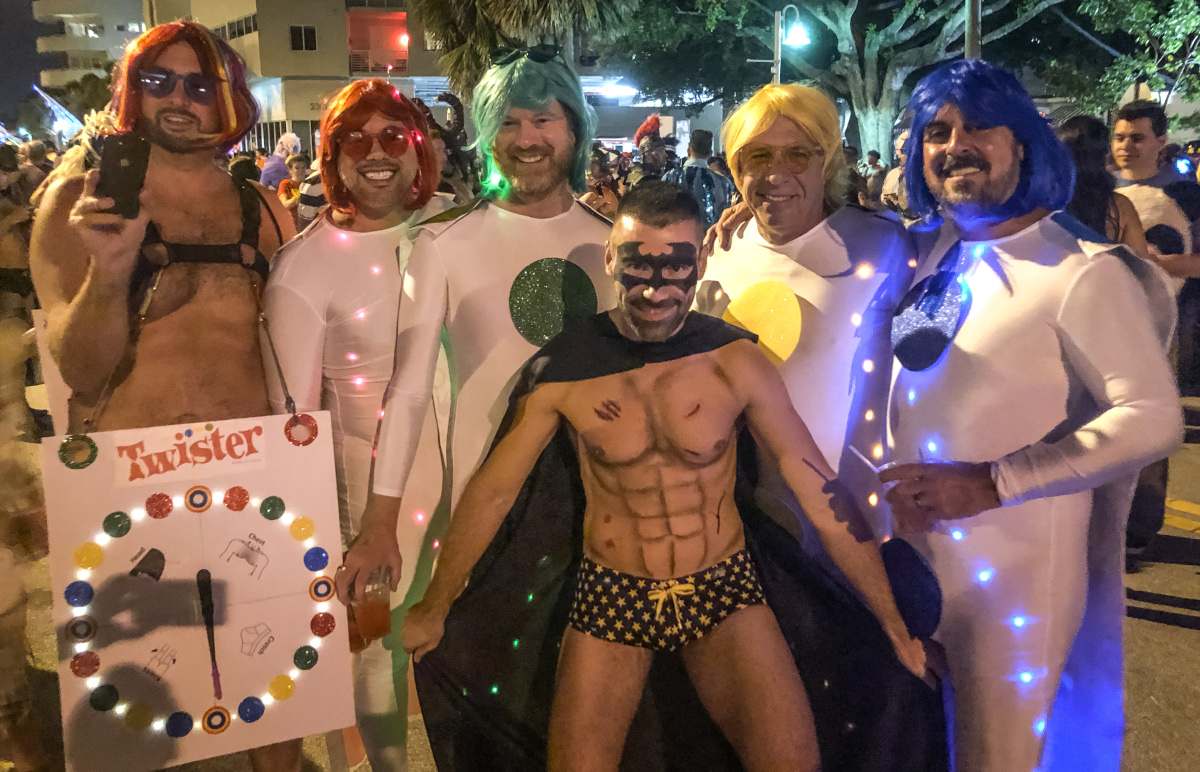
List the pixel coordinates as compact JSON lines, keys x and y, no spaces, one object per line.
{"x":89,"y":555}
{"x":281,"y":687}
{"x":771,"y":311}
{"x":302,"y":528}
{"x":138,"y":716}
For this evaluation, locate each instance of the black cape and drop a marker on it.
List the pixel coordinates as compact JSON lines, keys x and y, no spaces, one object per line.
{"x":486,"y":690}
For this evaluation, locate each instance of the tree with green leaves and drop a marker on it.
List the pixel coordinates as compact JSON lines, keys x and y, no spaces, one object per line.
{"x":869,"y":52}
{"x":1165,"y":54}
{"x":468,"y":30}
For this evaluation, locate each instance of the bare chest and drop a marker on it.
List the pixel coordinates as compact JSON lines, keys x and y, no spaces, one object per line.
{"x":681,"y":411}
{"x":190,"y":215}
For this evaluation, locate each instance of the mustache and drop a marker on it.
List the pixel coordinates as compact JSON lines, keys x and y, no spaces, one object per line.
{"x":654,"y":304}
{"x":532,"y":150}
{"x":952,"y":163}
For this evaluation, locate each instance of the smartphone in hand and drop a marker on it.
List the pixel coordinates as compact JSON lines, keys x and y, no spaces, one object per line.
{"x":123,"y":161}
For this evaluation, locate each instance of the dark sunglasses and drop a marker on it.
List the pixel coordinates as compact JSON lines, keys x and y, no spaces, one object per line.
{"x":393,"y":139}
{"x":931,"y":314}
{"x":541,"y":53}
{"x":159,"y":83}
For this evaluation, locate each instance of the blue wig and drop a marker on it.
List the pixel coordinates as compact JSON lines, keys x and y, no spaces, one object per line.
{"x":990,"y":96}
{"x":530,"y":85}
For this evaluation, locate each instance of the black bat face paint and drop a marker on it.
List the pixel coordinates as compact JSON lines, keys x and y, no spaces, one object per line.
{"x":676,"y":268}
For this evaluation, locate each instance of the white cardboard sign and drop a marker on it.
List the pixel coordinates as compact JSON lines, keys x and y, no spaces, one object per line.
{"x":132,"y":534}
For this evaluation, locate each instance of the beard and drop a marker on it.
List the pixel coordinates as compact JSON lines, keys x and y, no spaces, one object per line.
{"x":152,"y":130}
{"x":976,"y":196}
{"x":534,"y":184}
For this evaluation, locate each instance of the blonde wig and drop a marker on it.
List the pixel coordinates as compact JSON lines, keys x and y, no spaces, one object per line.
{"x":811,"y":110}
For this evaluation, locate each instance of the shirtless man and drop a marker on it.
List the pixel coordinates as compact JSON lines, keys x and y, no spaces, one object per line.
{"x":191,"y":264}
{"x":662,"y":535}
{"x":196,"y":355}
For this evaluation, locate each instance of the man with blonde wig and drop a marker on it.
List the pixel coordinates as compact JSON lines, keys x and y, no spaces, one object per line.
{"x":815,"y":280}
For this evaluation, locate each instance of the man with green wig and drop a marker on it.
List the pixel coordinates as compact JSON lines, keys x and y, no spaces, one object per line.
{"x":489,"y":282}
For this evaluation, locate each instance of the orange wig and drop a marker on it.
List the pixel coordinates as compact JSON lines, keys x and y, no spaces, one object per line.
{"x":236,"y":105}
{"x":348,"y":111}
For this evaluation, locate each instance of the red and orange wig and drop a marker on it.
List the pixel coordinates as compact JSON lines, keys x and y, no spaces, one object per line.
{"x":349,"y":110}
{"x":235,"y":104}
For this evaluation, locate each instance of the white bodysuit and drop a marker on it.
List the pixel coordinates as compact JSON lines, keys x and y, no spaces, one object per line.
{"x":331,"y":304}
{"x":491,"y":286}
{"x":845,"y":277}
{"x":1058,"y":375}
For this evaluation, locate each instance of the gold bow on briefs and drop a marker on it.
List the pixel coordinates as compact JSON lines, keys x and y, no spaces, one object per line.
{"x":673,"y":590}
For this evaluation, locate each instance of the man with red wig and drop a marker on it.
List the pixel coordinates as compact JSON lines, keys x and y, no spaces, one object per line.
{"x":189,"y":266}
{"x":332,"y":302}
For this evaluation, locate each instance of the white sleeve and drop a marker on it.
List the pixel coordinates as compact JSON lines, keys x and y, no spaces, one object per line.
{"x":423,"y":304}
{"x":1110,"y":344}
{"x":297,"y":328}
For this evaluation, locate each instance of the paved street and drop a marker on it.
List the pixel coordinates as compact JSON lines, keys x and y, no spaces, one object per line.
{"x":1162,"y":635}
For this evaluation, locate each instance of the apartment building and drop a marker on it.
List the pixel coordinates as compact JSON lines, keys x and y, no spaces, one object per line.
{"x":300,"y":52}
{"x":83,"y":36}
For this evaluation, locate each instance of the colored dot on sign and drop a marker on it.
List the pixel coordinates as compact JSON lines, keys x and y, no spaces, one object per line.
{"x":208,"y":427}
{"x":322,"y":624}
{"x":78,"y":594}
{"x":179,"y":724}
{"x":316,"y":559}
{"x":281,"y":687}
{"x":117,"y":524}
{"x":85,"y":664}
{"x":236,"y":498}
{"x":187,"y":432}
{"x":272,"y":508}
{"x":88,"y":555}
{"x":138,"y":716}
{"x":305,"y":658}
{"x":251,"y":709}
{"x":104,"y":698}
{"x":159,"y":505}
{"x":302,"y":528}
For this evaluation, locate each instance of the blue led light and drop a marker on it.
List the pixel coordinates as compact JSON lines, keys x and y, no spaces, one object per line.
{"x":1039,"y":727}
{"x":1025,"y":677}
{"x":985,"y":575}
{"x":931,"y":446}
{"x":977,"y":250}
{"x":912,"y":396}
{"x":1018,"y":621}
{"x":957,"y":534}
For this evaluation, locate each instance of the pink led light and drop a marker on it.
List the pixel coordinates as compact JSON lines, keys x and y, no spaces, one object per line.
{"x":360,"y":313}
{"x":344,"y":236}
{"x":352,"y":356}
{"x":359,"y":380}
{"x":376,"y":270}
{"x":419,"y":516}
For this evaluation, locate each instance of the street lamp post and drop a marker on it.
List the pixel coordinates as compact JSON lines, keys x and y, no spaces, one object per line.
{"x":792,"y":36}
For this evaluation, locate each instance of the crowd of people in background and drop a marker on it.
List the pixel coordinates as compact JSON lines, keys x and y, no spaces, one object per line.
{"x":1130,"y":187}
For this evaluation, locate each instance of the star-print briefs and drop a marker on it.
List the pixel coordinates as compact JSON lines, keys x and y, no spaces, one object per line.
{"x":662,"y":614}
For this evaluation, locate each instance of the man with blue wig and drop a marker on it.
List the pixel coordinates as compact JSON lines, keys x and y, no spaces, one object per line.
{"x":1032,"y":386}
{"x":490,"y":283}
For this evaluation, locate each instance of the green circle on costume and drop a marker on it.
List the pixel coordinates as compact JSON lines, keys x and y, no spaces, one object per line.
{"x":546,"y":294}
{"x":117,"y":524}
{"x":272,"y":508}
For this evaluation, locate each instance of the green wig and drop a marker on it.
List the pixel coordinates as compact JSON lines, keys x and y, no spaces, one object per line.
{"x":529,"y":85}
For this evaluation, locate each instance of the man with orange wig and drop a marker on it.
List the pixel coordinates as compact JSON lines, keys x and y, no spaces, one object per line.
{"x":189,"y":266}
{"x":332,"y":302}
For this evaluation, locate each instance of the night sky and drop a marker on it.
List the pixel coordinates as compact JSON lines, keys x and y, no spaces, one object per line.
{"x":18,"y":42}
